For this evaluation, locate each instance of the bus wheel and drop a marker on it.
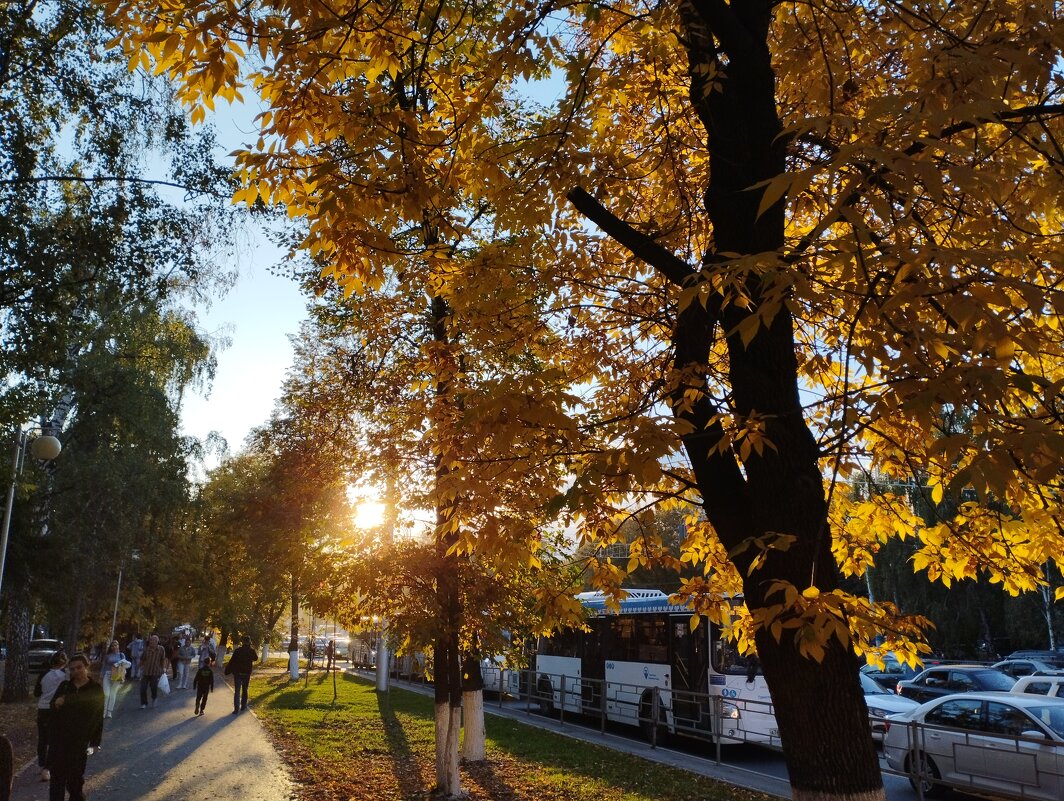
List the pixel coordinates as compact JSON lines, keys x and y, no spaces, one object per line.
{"x":646,"y":720}
{"x":545,"y":696}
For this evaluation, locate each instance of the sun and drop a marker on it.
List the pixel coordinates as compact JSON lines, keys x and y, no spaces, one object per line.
{"x":369,"y":514}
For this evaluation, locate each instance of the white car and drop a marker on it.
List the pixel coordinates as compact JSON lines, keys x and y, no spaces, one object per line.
{"x":1050,"y":685}
{"x":881,"y":703}
{"x":984,"y":742}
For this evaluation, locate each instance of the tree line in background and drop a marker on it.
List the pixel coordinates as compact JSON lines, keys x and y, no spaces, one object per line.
{"x":787,"y":272}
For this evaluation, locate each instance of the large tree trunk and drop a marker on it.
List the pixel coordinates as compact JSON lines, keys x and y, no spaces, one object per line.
{"x":293,"y":640}
{"x":780,"y":490}
{"x":448,"y":684}
{"x":16,"y":668}
{"x":473,"y":747}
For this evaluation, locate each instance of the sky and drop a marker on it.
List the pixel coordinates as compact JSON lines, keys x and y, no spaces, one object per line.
{"x":258,"y":315}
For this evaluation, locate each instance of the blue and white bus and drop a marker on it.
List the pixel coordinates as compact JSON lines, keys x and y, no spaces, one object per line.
{"x":645,"y":666}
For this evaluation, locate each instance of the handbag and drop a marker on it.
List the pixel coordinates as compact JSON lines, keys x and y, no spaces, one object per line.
{"x":118,"y":674}
{"x":164,"y":684}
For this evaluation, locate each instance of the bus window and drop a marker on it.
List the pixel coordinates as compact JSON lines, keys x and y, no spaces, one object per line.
{"x":727,"y":659}
{"x":653,"y":640}
{"x":621,"y":642}
{"x":563,"y":643}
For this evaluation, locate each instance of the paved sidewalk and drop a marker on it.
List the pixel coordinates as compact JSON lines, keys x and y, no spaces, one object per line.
{"x":166,"y":752}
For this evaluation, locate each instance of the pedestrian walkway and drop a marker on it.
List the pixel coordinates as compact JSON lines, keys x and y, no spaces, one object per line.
{"x":165,"y":752}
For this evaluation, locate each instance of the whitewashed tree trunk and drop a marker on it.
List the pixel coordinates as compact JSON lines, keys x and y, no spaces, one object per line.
{"x":473,"y":749}
{"x":448,"y":726}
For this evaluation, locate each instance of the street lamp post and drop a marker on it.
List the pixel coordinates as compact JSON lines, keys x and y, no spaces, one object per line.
{"x":43,"y":448}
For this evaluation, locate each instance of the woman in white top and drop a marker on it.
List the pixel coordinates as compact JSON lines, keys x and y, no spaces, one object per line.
{"x":48,"y":683}
{"x":113,"y":671}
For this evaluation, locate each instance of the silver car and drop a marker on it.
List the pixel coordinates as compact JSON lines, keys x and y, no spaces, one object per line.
{"x":881,"y":703}
{"x":995,"y":743}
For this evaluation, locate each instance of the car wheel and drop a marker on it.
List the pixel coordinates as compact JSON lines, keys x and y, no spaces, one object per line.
{"x":925,"y":782}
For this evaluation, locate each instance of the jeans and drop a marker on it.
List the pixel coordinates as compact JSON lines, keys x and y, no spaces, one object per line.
{"x":110,"y":693}
{"x":181,"y":675}
{"x":201,"y":698}
{"x":240,"y":690}
{"x":145,"y":683}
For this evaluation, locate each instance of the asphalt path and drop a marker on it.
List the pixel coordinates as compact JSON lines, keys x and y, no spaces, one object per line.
{"x":165,"y":752}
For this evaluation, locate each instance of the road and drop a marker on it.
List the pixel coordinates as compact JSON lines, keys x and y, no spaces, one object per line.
{"x":165,"y":752}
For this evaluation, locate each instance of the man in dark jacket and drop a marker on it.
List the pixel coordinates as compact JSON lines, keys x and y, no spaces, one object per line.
{"x":77,"y":726}
{"x":239,"y":667}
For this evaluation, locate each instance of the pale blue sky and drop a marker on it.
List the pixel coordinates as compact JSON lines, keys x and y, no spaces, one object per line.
{"x":258,"y":315}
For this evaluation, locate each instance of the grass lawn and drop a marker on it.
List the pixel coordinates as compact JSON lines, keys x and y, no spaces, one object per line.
{"x":366,"y":747}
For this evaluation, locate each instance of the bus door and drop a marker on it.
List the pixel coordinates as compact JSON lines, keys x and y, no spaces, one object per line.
{"x":593,"y":666}
{"x":689,"y":655}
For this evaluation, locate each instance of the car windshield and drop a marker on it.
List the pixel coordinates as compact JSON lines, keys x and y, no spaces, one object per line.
{"x":1052,"y":715}
{"x":994,"y":680}
{"x":869,"y":687}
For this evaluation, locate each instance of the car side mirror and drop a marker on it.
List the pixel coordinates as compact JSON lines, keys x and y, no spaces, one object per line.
{"x":1034,"y":734}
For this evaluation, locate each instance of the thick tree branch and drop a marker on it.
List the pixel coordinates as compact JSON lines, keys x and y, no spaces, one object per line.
{"x":675,"y":269}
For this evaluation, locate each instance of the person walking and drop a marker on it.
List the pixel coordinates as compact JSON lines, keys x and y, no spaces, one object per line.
{"x":113,"y":672}
{"x":47,"y":683}
{"x":330,"y":654}
{"x":203,"y":682}
{"x":136,"y":651}
{"x":77,"y":728}
{"x":206,"y":651}
{"x":239,"y":666}
{"x":152,"y":665}
{"x":185,"y":652}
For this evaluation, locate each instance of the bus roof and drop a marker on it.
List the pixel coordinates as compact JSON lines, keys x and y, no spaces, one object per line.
{"x":646,"y":601}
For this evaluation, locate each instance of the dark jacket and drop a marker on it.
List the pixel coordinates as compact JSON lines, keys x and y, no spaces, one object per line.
{"x":241,"y":660}
{"x":203,"y":680}
{"x":78,"y":723}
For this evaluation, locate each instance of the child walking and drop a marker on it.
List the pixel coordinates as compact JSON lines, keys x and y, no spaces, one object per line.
{"x":203,"y":683}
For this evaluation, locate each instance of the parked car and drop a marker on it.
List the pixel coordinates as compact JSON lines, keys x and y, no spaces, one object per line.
{"x":1025,"y":666}
{"x":982,"y":742}
{"x":39,"y":655}
{"x":893,"y":671}
{"x":1051,"y":685}
{"x":948,"y":679}
{"x":342,"y":648}
{"x":1053,"y":658}
{"x":881,"y":703}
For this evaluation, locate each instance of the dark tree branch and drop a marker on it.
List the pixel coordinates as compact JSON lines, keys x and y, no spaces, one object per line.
{"x":675,"y":269}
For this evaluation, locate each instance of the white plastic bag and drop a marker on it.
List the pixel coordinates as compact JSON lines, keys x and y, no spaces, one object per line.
{"x":164,"y":684}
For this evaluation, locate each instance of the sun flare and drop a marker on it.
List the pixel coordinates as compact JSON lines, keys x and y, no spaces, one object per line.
{"x":369,"y":514}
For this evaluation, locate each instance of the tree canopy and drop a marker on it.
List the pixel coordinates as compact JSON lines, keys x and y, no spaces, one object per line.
{"x":817,"y":227}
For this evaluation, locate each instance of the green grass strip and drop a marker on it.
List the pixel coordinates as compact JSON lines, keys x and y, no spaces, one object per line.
{"x":382,"y":746}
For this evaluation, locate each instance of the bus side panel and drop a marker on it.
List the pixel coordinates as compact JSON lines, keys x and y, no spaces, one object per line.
{"x":757,"y":718}
{"x":551,"y":669}
{"x":626,"y":685}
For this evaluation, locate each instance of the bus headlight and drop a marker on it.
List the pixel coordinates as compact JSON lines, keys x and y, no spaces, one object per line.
{"x":729,"y":711}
